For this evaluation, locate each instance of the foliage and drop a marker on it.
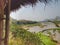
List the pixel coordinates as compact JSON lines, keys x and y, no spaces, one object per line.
{"x":15,"y":41}
{"x":28,"y":37}
{"x":56,"y":21}
{"x":26,"y":23}
{"x":21,"y":35}
{"x":45,"y":39}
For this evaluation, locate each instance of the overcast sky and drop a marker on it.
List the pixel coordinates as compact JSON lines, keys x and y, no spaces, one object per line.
{"x":38,"y":13}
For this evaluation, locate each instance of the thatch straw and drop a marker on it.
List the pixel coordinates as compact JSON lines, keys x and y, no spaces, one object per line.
{"x":15,"y":4}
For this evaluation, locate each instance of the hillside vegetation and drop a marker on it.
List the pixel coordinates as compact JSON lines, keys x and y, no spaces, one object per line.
{"x":21,"y":36}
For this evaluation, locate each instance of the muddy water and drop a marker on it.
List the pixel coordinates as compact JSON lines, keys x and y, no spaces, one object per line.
{"x":48,"y":26}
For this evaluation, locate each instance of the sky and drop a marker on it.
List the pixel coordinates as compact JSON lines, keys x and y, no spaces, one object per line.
{"x":39,"y":12}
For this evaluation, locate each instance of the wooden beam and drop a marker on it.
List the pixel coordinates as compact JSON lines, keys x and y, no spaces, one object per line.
{"x":7,"y":24}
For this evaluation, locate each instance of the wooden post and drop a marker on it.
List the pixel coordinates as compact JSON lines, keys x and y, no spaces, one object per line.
{"x":1,"y":20}
{"x":7,"y":24}
{"x":1,"y":29}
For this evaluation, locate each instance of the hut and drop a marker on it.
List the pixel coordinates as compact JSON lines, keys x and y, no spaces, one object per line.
{"x":6,"y":6}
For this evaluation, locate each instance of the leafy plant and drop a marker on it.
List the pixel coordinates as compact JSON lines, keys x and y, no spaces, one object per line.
{"x":45,"y":39}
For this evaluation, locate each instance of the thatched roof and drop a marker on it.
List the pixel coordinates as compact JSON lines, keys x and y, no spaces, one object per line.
{"x":15,"y":4}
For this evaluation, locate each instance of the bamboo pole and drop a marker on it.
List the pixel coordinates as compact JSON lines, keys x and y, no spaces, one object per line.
{"x":7,"y":24}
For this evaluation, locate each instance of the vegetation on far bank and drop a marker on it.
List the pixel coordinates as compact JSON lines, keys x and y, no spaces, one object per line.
{"x":21,"y":36}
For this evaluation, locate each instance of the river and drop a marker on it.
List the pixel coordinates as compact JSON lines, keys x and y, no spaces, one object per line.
{"x":48,"y":26}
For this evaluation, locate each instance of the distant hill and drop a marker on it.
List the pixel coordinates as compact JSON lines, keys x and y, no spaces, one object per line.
{"x":55,"y":19}
{"x":23,"y":21}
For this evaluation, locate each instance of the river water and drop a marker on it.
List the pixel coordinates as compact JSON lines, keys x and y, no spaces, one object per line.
{"x":48,"y":26}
